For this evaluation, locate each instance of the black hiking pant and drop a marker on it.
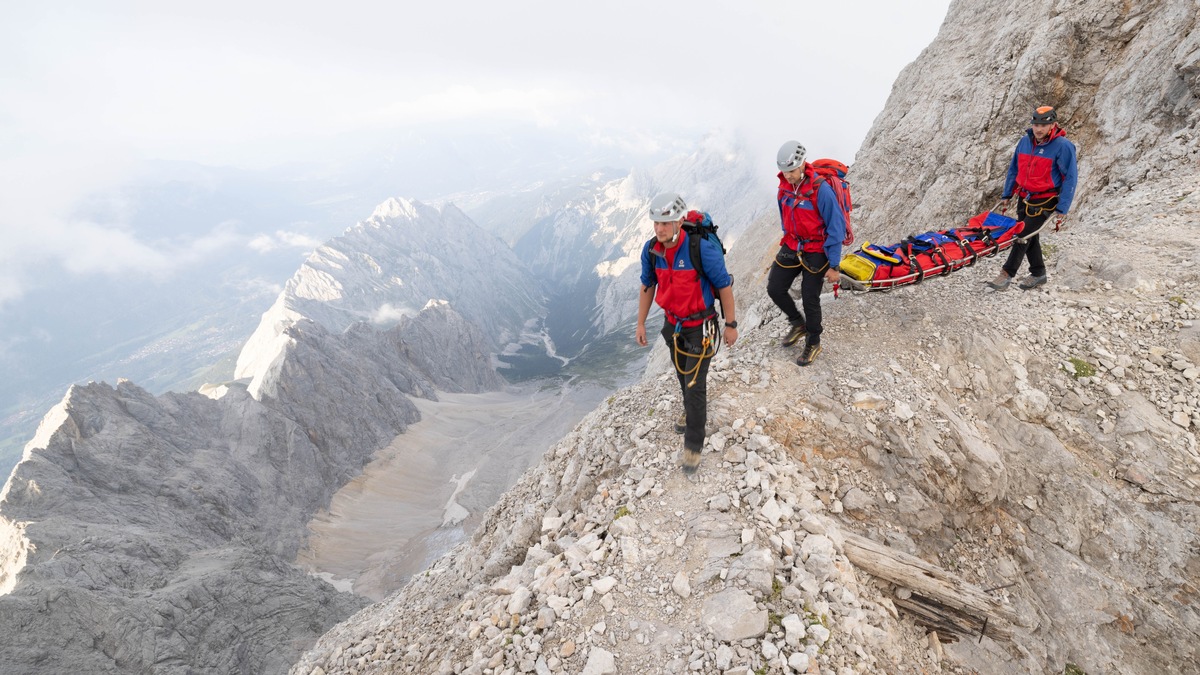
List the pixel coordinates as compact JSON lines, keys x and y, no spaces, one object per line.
{"x":695,"y":397}
{"x":811,"y":267}
{"x":1034,"y":217}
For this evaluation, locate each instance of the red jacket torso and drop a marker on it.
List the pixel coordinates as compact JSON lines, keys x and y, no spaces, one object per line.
{"x":680,"y":292}
{"x":803,"y":228}
{"x":1035,"y":171}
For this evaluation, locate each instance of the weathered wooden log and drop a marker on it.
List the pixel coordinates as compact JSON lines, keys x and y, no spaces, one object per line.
{"x":925,"y":579}
{"x":951,"y":623}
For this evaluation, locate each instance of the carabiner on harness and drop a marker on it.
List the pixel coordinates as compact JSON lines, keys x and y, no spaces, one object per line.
{"x":710,"y":343}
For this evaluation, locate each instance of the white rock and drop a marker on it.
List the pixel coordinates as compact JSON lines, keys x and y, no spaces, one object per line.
{"x":519,"y":601}
{"x":772,"y":512}
{"x":769,"y":650}
{"x":724,"y":657}
{"x":600,"y":662}
{"x":813,"y":525}
{"x":733,"y":615}
{"x":869,"y":400}
{"x":680,"y":585}
{"x":793,"y":627}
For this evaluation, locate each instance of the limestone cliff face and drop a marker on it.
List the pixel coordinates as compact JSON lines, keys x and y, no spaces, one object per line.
{"x":1125,"y":78}
{"x":156,"y":534}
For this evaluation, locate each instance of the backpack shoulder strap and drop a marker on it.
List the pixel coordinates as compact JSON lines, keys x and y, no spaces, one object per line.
{"x":694,"y":251}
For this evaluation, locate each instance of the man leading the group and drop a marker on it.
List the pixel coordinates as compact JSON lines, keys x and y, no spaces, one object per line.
{"x":814,"y":227}
{"x":1042,"y":174}
{"x":687,"y":299}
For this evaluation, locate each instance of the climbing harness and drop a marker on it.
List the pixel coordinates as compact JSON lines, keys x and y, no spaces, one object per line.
{"x":710,"y":344}
{"x":1039,"y":206}
{"x":1030,"y":212}
{"x":800,"y":263}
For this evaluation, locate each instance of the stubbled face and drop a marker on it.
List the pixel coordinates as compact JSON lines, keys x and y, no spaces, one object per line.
{"x":666,"y":232}
{"x":795,"y":176}
{"x":1041,"y":131}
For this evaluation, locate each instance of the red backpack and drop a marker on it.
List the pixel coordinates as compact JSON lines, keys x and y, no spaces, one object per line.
{"x":834,"y":172}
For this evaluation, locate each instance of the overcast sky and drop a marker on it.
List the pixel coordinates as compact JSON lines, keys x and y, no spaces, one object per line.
{"x":87,"y":89}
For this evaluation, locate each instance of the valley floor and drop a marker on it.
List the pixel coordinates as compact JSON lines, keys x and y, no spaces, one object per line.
{"x":424,"y":492}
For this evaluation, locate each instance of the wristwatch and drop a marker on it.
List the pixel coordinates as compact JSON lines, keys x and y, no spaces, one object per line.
{"x":731,"y":324}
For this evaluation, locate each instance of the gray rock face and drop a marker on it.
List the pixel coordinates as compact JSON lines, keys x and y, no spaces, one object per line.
{"x":145,"y":533}
{"x":733,"y":615}
{"x":1125,"y":78}
{"x":392,"y":265}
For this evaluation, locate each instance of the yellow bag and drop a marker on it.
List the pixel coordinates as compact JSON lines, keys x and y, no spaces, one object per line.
{"x":857,"y":268}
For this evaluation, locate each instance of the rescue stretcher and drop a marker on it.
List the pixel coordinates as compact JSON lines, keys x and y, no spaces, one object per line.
{"x":920,"y":256}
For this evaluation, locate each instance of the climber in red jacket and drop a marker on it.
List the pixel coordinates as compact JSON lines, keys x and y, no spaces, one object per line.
{"x":671,"y":278}
{"x":1042,"y":174}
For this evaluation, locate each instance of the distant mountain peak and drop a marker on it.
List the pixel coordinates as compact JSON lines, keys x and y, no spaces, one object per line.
{"x":396,"y":207}
{"x":377,"y":273}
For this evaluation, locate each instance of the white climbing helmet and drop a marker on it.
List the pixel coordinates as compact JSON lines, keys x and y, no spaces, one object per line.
{"x":667,"y":208}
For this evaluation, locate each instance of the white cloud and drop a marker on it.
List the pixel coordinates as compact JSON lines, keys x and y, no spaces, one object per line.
{"x":265,"y":243}
{"x":468,"y":101}
{"x":91,"y":89}
{"x":389,"y":314}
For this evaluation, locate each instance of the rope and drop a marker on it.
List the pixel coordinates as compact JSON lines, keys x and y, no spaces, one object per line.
{"x":1040,"y":206}
{"x":800,"y":263}
{"x":709,"y":347}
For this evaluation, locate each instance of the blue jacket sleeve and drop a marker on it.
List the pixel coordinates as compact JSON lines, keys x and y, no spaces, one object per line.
{"x":835,"y":223}
{"x":1066,"y":165}
{"x":714,"y":265}
{"x":648,"y":277}
{"x":1010,"y":181}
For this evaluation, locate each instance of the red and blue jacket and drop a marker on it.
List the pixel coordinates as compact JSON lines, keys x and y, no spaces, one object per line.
{"x":682,"y":293}
{"x":1041,"y":170}
{"x":813,"y":227}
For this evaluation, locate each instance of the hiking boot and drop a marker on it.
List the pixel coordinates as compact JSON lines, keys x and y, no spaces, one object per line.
{"x":681,"y":424}
{"x":1001,"y":282}
{"x":1032,"y":282}
{"x":809,"y":355}
{"x":691,"y":461}
{"x":794,"y":335}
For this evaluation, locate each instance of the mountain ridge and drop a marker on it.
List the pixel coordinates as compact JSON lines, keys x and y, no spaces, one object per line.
{"x":136,"y":507}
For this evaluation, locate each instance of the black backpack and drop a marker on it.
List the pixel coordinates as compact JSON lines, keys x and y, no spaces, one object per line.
{"x":699,"y":225}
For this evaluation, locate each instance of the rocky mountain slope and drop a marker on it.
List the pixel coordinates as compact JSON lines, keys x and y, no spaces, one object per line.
{"x":1017,"y":472}
{"x":157,"y":534}
{"x":957,"y":438}
{"x":390,"y":266}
